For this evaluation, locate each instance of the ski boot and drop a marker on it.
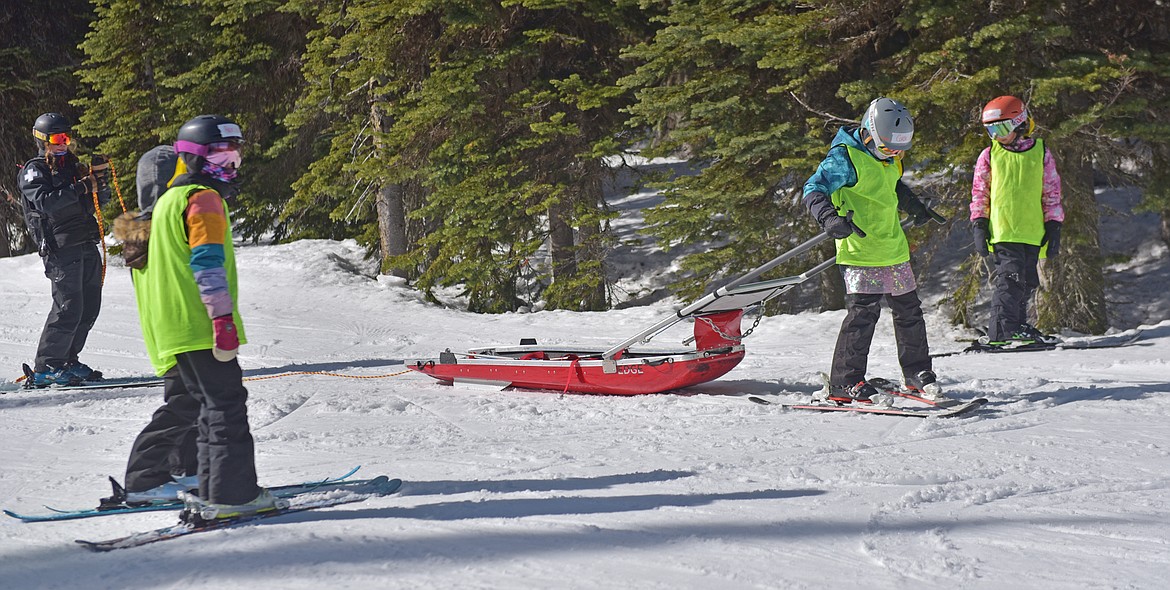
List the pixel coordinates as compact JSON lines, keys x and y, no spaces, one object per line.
{"x":161,"y":494}
{"x":861,"y":392}
{"x":83,"y":371}
{"x":198,"y":511}
{"x":925,"y":385}
{"x":49,"y":377}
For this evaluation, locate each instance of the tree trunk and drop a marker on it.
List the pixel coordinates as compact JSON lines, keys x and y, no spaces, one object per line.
{"x":392,"y":225}
{"x":389,"y":203}
{"x":1072,"y":292}
{"x":591,"y":251}
{"x":560,"y":238}
{"x":578,"y":261}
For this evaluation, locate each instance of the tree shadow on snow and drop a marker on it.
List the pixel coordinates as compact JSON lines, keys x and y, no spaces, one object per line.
{"x":527,"y":507}
{"x":31,"y":398}
{"x":332,"y":367}
{"x":270,"y":560}
{"x":1070,"y":395}
{"x":426,"y":488}
{"x":745,"y":387}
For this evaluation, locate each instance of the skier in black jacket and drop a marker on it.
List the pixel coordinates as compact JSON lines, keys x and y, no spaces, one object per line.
{"x":58,"y":196}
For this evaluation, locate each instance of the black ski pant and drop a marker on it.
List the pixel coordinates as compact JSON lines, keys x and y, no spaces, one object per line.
{"x":166,"y":448}
{"x":208,"y":396}
{"x":76,"y":276}
{"x":1014,"y":280}
{"x":851,"y":356}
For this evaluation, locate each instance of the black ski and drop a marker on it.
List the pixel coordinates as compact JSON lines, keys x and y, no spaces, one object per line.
{"x":379,"y":486}
{"x":1105,"y":342}
{"x":927,"y":412}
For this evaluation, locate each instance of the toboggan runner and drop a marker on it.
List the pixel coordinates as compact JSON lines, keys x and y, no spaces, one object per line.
{"x":623,"y":370}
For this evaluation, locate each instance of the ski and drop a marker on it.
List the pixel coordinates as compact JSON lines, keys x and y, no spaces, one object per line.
{"x":25,"y":383}
{"x":379,"y":486}
{"x":977,"y":347}
{"x":110,"y":508}
{"x":928,"y":412}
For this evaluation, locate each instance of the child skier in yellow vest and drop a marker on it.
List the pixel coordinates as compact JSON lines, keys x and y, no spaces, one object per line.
{"x":1016,"y":214}
{"x":862,"y":173}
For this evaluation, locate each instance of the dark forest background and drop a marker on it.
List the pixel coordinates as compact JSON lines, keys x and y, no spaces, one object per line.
{"x":461,"y":140}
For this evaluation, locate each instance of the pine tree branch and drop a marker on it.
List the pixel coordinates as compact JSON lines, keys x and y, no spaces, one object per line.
{"x":828,"y":116}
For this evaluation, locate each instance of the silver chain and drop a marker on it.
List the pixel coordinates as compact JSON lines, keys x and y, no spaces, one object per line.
{"x":759,"y":316}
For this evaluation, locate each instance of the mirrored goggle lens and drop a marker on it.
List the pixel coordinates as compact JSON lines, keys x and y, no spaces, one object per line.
{"x":1000,"y":129}
{"x":222,"y":146}
{"x":59,"y":139}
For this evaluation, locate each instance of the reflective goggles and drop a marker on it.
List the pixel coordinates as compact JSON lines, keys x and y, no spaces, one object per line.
{"x":1000,"y":129}
{"x":53,"y":138}
{"x":889,"y":152}
{"x":220,"y":153}
{"x":224,"y":153}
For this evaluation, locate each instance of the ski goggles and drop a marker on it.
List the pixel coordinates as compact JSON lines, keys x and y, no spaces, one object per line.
{"x":220,"y":153}
{"x":885,"y":151}
{"x":224,"y":153}
{"x":1000,"y":129}
{"x":52,"y":138}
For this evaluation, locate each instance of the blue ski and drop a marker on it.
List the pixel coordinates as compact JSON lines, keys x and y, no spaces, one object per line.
{"x":379,"y":486}
{"x":285,"y":491}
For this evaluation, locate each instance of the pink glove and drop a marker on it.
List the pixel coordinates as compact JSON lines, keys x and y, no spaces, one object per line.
{"x":227,"y":341}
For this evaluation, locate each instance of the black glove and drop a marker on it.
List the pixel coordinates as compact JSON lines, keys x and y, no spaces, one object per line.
{"x":825,"y":213}
{"x":83,"y":187}
{"x":982,"y":235}
{"x":917,"y":211}
{"x":100,"y":165}
{"x":911,"y":204}
{"x":837,"y":227}
{"x":1051,"y":237}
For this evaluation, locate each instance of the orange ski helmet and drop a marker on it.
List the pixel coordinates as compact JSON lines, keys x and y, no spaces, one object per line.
{"x":1005,"y":115}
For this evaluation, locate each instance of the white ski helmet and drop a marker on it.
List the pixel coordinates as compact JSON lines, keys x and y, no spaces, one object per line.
{"x":890,"y":127}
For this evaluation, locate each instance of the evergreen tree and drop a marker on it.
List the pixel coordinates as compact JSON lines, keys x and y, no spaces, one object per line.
{"x":477,"y":120}
{"x":150,"y":66}
{"x":1089,"y":71}
{"x":754,"y":90}
{"x":750,"y":91}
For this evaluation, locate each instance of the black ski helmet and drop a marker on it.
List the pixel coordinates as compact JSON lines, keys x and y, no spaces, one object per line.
{"x":49,"y":124}
{"x":207,"y":129}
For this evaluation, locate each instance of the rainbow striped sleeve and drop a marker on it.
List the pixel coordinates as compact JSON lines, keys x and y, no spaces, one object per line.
{"x":206,"y":232}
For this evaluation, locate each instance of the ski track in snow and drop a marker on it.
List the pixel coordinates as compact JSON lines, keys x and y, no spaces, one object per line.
{"x":1060,"y":481}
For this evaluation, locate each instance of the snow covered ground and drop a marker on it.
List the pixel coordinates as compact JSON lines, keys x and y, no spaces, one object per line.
{"x":1059,"y":482}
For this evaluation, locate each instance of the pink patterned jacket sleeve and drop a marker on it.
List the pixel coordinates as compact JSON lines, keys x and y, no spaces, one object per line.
{"x":1050,"y":198}
{"x":981,"y":187}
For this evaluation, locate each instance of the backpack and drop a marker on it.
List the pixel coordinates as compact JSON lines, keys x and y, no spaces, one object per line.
{"x":156,"y":169}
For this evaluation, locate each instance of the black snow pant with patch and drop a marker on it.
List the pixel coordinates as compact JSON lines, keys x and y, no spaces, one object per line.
{"x":205,"y":398}
{"x":166,"y":448}
{"x":1014,"y":280}
{"x":76,"y":276}
{"x":851,"y":356}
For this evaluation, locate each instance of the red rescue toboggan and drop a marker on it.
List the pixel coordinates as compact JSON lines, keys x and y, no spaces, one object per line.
{"x":622,"y":369}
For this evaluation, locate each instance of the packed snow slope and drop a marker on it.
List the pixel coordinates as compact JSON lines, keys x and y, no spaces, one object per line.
{"x":1059,"y":482}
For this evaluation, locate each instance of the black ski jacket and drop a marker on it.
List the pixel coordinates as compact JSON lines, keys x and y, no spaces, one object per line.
{"x":58,"y":204}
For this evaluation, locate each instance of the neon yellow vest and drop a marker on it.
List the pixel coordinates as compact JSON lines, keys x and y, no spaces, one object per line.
{"x":1017,"y":184}
{"x":174,"y":319}
{"x":874,"y":203}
